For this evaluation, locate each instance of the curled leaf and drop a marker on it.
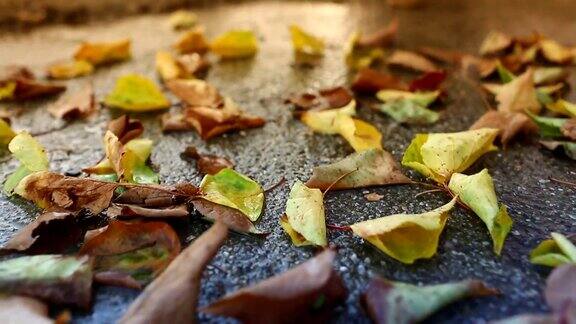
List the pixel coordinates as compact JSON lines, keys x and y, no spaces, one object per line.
{"x":547,"y":75}
{"x":437,"y":156}
{"x":494,"y":43}
{"x":232,"y":189}
{"x":103,"y":53}
{"x":406,"y":237}
{"x":407,"y":111}
{"x":477,"y":192}
{"x":177,"y":211}
{"x":411,"y":61}
{"x":374,"y":167}
{"x":306,"y":293}
{"x":172,"y":297}
{"x":70,"y":70}
{"x":402,"y":303}
{"x":55,"y":278}
{"x":192,"y":41}
{"x":509,"y":124}
{"x":78,"y":105}
{"x":370,"y":81}
{"x":206,"y":163}
{"x":305,"y":43}
{"x":558,"y":250}
{"x":322,"y":99}
{"x":305,"y":220}
{"x":549,"y":126}
{"x":196,"y":92}
{"x":324,"y":121}
{"x":132,"y":254}
{"x":182,"y":19}
{"x":233,"y":218}
{"x":134,"y":92}
{"x":55,"y":192}
{"x":31,"y":155}
{"x":125,"y":128}
{"x":235,"y":44}
{"x":519,"y":95}
{"x":358,"y":133}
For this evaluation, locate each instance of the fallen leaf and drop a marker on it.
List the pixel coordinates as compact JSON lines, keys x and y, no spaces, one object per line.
{"x":438,"y":155}
{"x":157,"y":196}
{"x":554,"y":52}
{"x":477,"y":192}
{"x":80,"y":104}
{"x":569,"y":129}
{"x":196,"y":92}
{"x":59,"y":279}
{"x":495,"y":43}
{"x":560,"y":291}
{"x":20,"y":309}
{"x":442,"y":55}
{"x":174,"y":122}
{"x":177,"y":211}
{"x":409,"y":112}
{"x":207,"y":163}
{"x":372,"y":197}
{"x":304,"y":220}
{"x":132,"y":253}
{"x":374,"y":167}
{"x":193,"y":64}
{"x":192,"y":41}
{"x":411,"y":61}
{"x":549,"y":126}
{"x":430,"y":81}
{"x":70,"y":69}
{"x":182,"y":19}
{"x":31,"y":155}
{"x":563,"y":107}
{"x":357,"y":57}
{"x":50,"y":232}
{"x":321,"y":100}
{"x":104,"y":53}
{"x":358,"y":133}
{"x":369,"y":81}
{"x":324,"y":121}
{"x":306,"y":43}
{"x":173,"y":296}
{"x":547,"y":75}
{"x":134,"y":92}
{"x":558,"y":250}
{"x":421,"y":98}
{"x":125,"y":128}
{"x":306,"y":293}
{"x":484,"y":67}
{"x":383,"y":37}
{"x":6,"y":133}
{"x":56,"y":192}
{"x":509,"y":124}
{"x":519,"y":95}
{"x":168,"y":67}
{"x":406,"y":237}
{"x":17,"y":83}
{"x":402,"y":303}
{"x":569,"y":148}
{"x":232,"y":189}
{"x":235,"y":44}
{"x":233,"y":218}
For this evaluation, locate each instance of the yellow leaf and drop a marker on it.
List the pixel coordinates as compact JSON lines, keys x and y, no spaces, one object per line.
{"x":360,"y":134}
{"x":6,"y":133}
{"x":554,"y":52}
{"x":519,"y":95}
{"x":136,"y":93}
{"x":7,"y":90}
{"x":306,"y":43}
{"x":305,"y":220}
{"x":31,"y":155}
{"x":235,"y":44}
{"x":324,"y":121}
{"x":168,"y":67}
{"x":102,"y":53}
{"x":439,"y":155}
{"x":477,"y":192}
{"x":182,"y":19}
{"x":563,"y":107}
{"x":357,"y":57}
{"x":406,"y":237}
{"x":192,"y":41}
{"x":69,"y":70}
{"x":495,"y":42}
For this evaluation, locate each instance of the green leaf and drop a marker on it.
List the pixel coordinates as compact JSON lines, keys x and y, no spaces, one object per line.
{"x":406,"y":237}
{"x":439,"y":155}
{"x":477,"y":192}
{"x":232,"y":189}
{"x":504,"y":74}
{"x":31,"y":155}
{"x":407,"y":111}
{"x":403,"y":303}
{"x":134,"y":92}
{"x":549,"y":126}
{"x":421,"y":98}
{"x":305,"y":220}
{"x":554,"y":252}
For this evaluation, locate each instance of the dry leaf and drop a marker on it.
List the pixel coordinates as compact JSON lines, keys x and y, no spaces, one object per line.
{"x":125,"y":128}
{"x":70,"y":69}
{"x":374,"y":167}
{"x":383,"y":37}
{"x":358,"y":133}
{"x":442,"y":55}
{"x":134,"y":92}
{"x":196,"y":92}
{"x":172,"y":297}
{"x":305,"y":220}
{"x":554,"y":52}
{"x":206,"y":163}
{"x":559,"y":250}
{"x":322,"y":99}
{"x":372,"y":197}
{"x":168,"y":68}
{"x":6,"y":133}
{"x":18,"y":83}
{"x":233,"y":218}
{"x":305,"y":43}
{"x":369,"y":81}
{"x":495,"y":43}
{"x":569,"y":129}
{"x":560,"y":289}
{"x":20,"y":309}
{"x":430,"y":81}
{"x":177,"y":211}
{"x":306,"y":293}
{"x":235,"y":44}
{"x":104,"y":53}
{"x":411,"y":61}
{"x":324,"y":121}
{"x":519,"y":95}
{"x":408,"y":112}
{"x":357,"y":57}
{"x":509,"y":124}
{"x":78,"y":105}
{"x":192,"y":41}
{"x":182,"y":19}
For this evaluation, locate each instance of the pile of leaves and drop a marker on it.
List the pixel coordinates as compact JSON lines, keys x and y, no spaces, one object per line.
{"x":116,"y":223}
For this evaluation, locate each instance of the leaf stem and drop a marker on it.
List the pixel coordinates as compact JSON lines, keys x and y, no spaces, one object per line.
{"x":338,"y":180}
{"x":572,"y":184}
{"x":345,"y":228}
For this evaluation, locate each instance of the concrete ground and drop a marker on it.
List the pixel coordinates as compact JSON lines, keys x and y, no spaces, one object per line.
{"x":284,"y":147}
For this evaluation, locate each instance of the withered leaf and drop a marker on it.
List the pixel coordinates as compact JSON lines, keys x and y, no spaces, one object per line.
{"x":70,"y":69}
{"x":494,"y":43}
{"x":383,"y":37}
{"x":442,"y":55}
{"x":50,"y":232}
{"x":177,"y":211}
{"x":569,"y":129}
{"x":17,"y":83}
{"x":519,"y":95}
{"x":192,"y":41}
{"x":125,"y":128}
{"x":173,"y":296}
{"x":323,"y":99}
{"x":56,"y":192}
{"x":20,"y":309}
{"x":430,"y":81}
{"x":132,"y":252}
{"x":373,"y":197}
{"x":560,"y":289}
{"x":80,"y":104}
{"x":207,"y":163}
{"x":509,"y":124}
{"x":104,"y":53}
{"x":369,"y":81}
{"x":388,"y":302}
{"x":232,"y":217}
{"x":195,"y":92}
{"x":411,"y":61}
{"x":304,"y":221}
{"x":306,"y":293}
{"x":156,"y":196}
{"x":55,"y":278}
{"x":554,"y":52}
{"x":372,"y":167}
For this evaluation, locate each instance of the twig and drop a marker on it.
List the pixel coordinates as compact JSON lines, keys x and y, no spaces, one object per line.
{"x":572,"y":184}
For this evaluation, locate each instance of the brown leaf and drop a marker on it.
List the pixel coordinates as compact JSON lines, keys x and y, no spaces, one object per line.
{"x":411,"y":61}
{"x":173,"y":296}
{"x":305,"y":293}
{"x":78,"y":105}
{"x":383,"y":37}
{"x":322,"y":99}
{"x":206,"y":163}
{"x":56,"y":192}
{"x":192,"y":41}
{"x":126,"y":129}
{"x":232,"y":217}
{"x":50,"y":232}
{"x":369,"y":81}
{"x":509,"y":124}
{"x":193,"y":64}
{"x":569,"y":129}
{"x":373,"y":196}
{"x":494,"y":43}
{"x":20,"y":309}
{"x":483,"y":66}
{"x":561,"y":287}
{"x":138,"y":211}
{"x":15,"y":72}
{"x":156,"y":196}
{"x":519,"y":95}
{"x":174,"y":122}
{"x":195,"y":92}
{"x":121,"y":251}
{"x":442,"y":55}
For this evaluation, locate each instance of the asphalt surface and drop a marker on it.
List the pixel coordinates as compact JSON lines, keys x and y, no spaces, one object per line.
{"x":286,"y":148}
